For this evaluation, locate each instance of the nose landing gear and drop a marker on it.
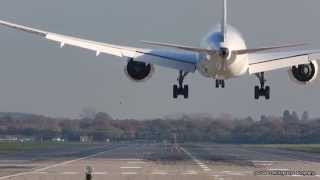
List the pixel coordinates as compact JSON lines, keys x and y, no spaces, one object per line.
{"x":181,"y":89}
{"x":262,"y":90}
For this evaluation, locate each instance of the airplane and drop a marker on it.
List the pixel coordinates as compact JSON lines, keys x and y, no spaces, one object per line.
{"x":223,"y":56}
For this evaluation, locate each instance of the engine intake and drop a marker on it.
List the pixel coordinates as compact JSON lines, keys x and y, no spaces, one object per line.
{"x":305,"y":73}
{"x":138,"y":71}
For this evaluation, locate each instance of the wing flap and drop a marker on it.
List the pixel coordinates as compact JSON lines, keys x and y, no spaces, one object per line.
{"x":278,"y":64}
{"x":91,"y":45}
{"x":263,"y":62}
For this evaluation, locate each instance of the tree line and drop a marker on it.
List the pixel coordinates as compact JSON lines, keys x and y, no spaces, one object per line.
{"x":287,"y":128}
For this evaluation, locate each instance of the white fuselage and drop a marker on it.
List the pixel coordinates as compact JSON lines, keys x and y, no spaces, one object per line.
{"x":218,"y":67}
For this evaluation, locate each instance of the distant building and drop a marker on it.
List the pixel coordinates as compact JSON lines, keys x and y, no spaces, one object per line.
{"x":8,"y":138}
{"x":16,"y":138}
{"x":86,"y":139}
{"x":27,"y":139}
{"x":58,"y":139}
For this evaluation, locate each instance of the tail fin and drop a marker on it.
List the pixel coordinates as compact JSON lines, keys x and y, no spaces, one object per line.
{"x":224,"y":20}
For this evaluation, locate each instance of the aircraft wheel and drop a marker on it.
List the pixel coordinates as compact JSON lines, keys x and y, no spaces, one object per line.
{"x":267,"y":93}
{"x":186,"y":91}
{"x":175,"y":91}
{"x":256,"y":92}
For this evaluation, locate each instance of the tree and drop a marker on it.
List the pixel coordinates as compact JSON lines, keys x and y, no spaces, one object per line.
{"x":88,"y":113}
{"x":295,"y":116}
{"x":305,"y":116}
{"x":286,"y":116}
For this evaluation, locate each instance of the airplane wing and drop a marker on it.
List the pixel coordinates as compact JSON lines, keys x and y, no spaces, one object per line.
{"x":263,"y":62}
{"x":181,"y":60}
{"x":186,"y":48}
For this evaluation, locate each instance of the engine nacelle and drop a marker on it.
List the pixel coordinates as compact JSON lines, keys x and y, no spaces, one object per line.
{"x":138,"y":71}
{"x":305,"y":74}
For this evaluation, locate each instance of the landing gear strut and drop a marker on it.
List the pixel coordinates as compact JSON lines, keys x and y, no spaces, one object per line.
{"x":181,"y":89}
{"x":262,"y":90}
{"x":220,"y":83}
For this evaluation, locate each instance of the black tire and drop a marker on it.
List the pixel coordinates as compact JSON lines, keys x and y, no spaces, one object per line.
{"x":175,"y":91}
{"x":223,"y":83}
{"x":256,"y":92}
{"x":217,"y":83}
{"x":186,"y":91}
{"x":267,"y":93}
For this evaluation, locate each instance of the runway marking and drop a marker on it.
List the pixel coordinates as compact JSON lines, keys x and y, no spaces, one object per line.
{"x":100,"y":173}
{"x":40,"y":173}
{"x":278,"y":169}
{"x":202,"y":165}
{"x":190,"y":173}
{"x":159,"y":173}
{"x":215,"y":175}
{"x":52,"y":166}
{"x":136,"y":162}
{"x":262,"y":163}
{"x":127,"y":167}
{"x":265,"y":164}
{"x":235,"y":174}
{"x":130,"y":159}
{"x":69,"y":173}
{"x":129,"y":173}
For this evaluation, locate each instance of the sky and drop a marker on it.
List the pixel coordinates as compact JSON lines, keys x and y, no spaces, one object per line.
{"x":36,"y":76}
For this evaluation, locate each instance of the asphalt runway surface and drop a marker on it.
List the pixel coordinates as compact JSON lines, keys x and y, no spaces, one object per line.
{"x":158,"y":161}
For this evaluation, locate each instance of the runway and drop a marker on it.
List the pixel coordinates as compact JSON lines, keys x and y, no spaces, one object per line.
{"x":155,"y":162}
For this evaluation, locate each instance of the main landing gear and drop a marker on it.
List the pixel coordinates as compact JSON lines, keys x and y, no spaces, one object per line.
{"x":181,"y":89}
{"x":262,"y":90}
{"x":220,"y":83}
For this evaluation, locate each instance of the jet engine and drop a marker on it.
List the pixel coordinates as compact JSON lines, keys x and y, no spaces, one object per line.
{"x":305,"y":74}
{"x":138,"y":71}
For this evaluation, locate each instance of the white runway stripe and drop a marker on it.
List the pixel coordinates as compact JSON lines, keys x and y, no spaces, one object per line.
{"x":129,"y":173}
{"x":130,"y":159}
{"x":40,"y":173}
{"x":128,"y":167}
{"x":136,"y":162}
{"x":235,"y":174}
{"x":264,"y":164}
{"x":100,"y":173}
{"x":159,"y":173}
{"x":190,"y":173}
{"x":278,"y":169}
{"x":202,"y":165}
{"x":69,"y":173}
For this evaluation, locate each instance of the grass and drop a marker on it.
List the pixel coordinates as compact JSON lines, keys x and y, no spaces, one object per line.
{"x":312,"y":148}
{"x":15,"y":147}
